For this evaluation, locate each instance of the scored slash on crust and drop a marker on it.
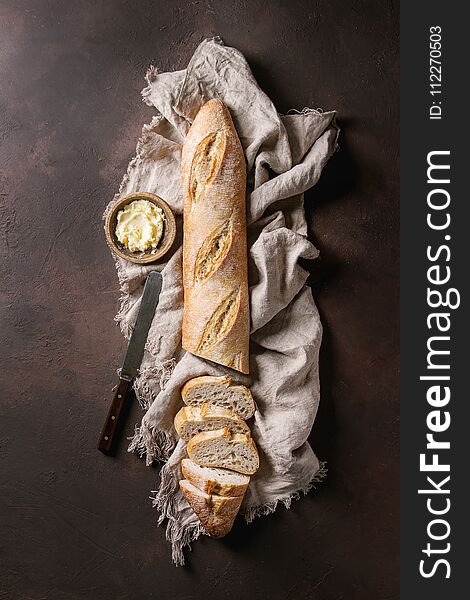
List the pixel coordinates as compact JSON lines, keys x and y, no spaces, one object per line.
{"x":220,"y":322}
{"x":206,"y":164}
{"x":213,"y":251}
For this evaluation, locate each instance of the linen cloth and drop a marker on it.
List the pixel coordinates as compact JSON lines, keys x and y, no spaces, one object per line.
{"x":285,"y":155}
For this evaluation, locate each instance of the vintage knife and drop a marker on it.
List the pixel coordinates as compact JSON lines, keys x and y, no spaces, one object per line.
{"x":135,"y":352}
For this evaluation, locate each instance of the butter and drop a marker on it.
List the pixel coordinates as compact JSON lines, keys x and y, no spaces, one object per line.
{"x":140,"y":225}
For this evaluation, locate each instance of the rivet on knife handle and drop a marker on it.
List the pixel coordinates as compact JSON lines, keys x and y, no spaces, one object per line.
{"x":112,"y":423}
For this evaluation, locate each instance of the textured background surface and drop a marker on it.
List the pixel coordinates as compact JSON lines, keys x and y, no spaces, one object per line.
{"x":75,"y":524}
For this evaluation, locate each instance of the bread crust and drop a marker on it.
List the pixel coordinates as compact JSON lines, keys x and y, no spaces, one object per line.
{"x":216,"y":319}
{"x":209,"y":417}
{"x":211,"y":486}
{"x":216,"y":513}
{"x":222,"y":435}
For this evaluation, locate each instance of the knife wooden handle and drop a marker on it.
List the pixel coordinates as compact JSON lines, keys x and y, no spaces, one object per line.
{"x":105,"y":443}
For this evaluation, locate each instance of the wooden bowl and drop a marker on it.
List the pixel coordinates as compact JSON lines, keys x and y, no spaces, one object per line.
{"x":165,"y":243}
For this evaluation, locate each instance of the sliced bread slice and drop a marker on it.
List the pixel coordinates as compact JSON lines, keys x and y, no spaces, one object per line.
{"x":219,"y":391}
{"x":191,"y":420}
{"x":220,"y":448}
{"x":220,"y":482}
{"x":216,"y":513}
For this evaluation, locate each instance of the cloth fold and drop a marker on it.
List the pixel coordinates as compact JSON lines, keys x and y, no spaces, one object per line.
{"x":285,"y":156}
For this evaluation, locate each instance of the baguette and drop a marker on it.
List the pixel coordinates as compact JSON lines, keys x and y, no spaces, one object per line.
{"x":191,"y":420}
{"x":220,"y":482}
{"x":216,"y":319}
{"x":216,"y":513}
{"x":220,"y":448}
{"x":219,"y":392}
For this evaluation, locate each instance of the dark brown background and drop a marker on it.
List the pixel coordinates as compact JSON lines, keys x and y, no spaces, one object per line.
{"x":75,"y":524}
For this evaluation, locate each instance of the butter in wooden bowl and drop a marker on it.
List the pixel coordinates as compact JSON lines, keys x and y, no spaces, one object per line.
{"x":140,"y":225}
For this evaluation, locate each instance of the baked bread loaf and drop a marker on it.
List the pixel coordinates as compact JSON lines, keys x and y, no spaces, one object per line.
{"x":191,"y":420}
{"x":219,"y":391}
{"x":220,"y":448}
{"x":216,"y":513}
{"x":220,"y":482}
{"x":216,"y":319}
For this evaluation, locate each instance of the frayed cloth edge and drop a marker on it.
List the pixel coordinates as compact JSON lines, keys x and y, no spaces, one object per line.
{"x":305,"y":111}
{"x":180,"y":535}
{"x":160,"y":372}
{"x":124,"y":299}
{"x":150,"y":77}
{"x":163,"y":500}
{"x":155,"y":444}
{"x":263,"y":510}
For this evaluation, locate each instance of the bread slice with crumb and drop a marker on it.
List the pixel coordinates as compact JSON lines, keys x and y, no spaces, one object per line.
{"x":213,"y":480}
{"x":216,"y":513}
{"x":220,"y":448}
{"x":191,"y":420}
{"x":220,"y":392}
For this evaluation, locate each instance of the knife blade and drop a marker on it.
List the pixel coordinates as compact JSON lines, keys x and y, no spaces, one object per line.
{"x":132,"y":360}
